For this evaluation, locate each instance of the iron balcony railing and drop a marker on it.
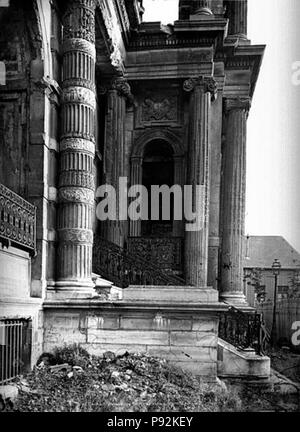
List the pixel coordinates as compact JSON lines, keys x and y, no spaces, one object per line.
{"x":242,"y":329}
{"x":15,"y":348}
{"x":166,"y":252}
{"x":124,"y":268}
{"x":17,"y":220}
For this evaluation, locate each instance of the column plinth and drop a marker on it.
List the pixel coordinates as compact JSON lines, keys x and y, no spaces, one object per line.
{"x":77,"y":150}
{"x":233,"y":197}
{"x":203,"y":90}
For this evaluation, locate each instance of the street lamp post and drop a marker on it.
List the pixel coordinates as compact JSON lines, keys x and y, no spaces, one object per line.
{"x":276,"y":266}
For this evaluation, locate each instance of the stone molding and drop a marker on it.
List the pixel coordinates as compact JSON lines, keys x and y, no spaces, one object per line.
{"x":79,"y":82}
{"x":82,"y":45}
{"x":76,"y":195}
{"x":80,"y":95}
{"x":77,"y":144}
{"x":77,"y":178}
{"x":76,"y":235}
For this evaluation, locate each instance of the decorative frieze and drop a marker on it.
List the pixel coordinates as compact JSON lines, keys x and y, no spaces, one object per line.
{"x":79,"y":45}
{"x":79,"y":95}
{"x":77,"y":144}
{"x":73,"y":194}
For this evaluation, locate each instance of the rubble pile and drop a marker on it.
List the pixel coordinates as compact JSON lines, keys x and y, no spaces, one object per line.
{"x":71,"y":380}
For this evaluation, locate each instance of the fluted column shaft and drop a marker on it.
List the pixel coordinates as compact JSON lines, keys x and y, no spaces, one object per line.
{"x":233,"y":197}
{"x":77,"y":147}
{"x":198,"y":174}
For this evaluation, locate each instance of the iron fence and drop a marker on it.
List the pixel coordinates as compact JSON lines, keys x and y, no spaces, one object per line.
{"x":15,"y":348}
{"x":242,"y":330}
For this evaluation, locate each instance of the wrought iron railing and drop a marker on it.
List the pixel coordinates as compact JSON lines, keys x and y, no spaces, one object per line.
{"x":166,"y":252}
{"x":17,"y":220}
{"x":242,"y":329}
{"x":124,"y":268}
{"x":15,"y":348}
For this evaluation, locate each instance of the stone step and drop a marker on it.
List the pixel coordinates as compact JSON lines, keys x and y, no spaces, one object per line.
{"x":174,"y":294}
{"x":246,"y":364}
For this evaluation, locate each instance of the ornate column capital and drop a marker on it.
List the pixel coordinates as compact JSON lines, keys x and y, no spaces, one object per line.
{"x":207,"y":83}
{"x":122,"y":87}
{"x":239,"y":103}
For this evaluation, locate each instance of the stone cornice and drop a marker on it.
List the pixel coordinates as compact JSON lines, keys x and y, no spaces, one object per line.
{"x":208,"y":84}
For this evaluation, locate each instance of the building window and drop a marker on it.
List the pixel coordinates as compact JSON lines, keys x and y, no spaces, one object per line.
{"x":282,"y":292}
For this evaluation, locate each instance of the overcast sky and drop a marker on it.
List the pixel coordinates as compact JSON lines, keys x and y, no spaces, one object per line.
{"x":273,"y":159}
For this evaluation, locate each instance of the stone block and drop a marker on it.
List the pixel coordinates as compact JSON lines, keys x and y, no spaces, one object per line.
{"x":133,"y":337}
{"x":118,"y":349}
{"x":184,"y":353}
{"x":208,"y":369}
{"x":103,"y":322}
{"x":199,"y":339}
{"x":170,"y":294}
{"x":205,"y":326}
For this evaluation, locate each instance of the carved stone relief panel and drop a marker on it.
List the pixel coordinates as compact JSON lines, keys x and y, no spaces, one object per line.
{"x":158,"y":107}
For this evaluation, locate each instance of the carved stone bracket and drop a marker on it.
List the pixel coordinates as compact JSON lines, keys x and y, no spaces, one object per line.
{"x":208,"y":84}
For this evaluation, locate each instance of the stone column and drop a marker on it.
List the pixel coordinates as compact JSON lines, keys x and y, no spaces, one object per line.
{"x":114,"y":153}
{"x":237,"y":14}
{"x":77,"y":149}
{"x":233,"y":201}
{"x":135,"y":179}
{"x":203,"y":90}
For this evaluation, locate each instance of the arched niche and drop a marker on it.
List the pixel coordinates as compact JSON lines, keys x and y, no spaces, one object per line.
{"x":145,"y":146}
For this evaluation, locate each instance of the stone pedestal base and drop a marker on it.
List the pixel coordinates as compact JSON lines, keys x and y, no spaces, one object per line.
{"x":71,"y":291}
{"x":169,"y":322}
{"x":236,"y":299}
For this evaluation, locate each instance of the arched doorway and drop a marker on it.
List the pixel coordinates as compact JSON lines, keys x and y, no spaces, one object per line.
{"x":158,"y":169}
{"x":158,"y":159}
